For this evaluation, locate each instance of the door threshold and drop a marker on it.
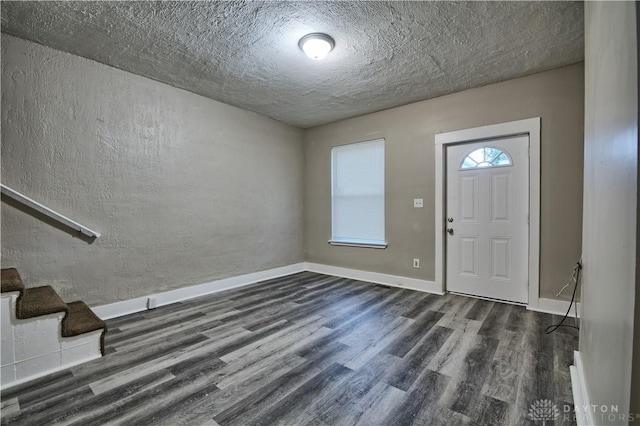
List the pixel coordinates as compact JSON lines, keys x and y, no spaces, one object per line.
{"x":490,"y":299}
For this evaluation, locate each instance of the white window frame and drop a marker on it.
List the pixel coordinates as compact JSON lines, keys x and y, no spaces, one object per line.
{"x":462,"y":168}
{"x":354,"y":242}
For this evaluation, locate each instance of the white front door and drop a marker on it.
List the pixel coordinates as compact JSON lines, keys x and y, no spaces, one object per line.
{"x":487,"y":216}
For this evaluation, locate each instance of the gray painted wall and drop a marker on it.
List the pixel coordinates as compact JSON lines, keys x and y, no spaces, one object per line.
{"x":185,"y":190}
{"x":556,"y":96}
{"x":635,"y":378}
{"x":610,"y":204}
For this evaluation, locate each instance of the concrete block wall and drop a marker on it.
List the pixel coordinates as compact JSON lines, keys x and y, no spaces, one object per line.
{"x":35,"y":347}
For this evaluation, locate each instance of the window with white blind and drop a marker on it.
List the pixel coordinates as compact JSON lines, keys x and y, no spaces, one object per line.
{"x":357,"y":194}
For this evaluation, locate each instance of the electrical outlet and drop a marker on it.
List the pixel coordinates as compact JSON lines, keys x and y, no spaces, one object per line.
{"x":418,"y":203}
{"x":152,"y":303}
{"x":416,"y":263}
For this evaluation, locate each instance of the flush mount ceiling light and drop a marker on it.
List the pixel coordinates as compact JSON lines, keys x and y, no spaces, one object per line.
{"x":316,"y":45}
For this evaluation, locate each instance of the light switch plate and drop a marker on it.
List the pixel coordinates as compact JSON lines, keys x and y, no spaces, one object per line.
{"x":418,"y":203}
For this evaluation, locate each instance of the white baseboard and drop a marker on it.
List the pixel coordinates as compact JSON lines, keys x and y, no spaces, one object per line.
{"x":581,"y":399}
{"x":375,"y":277}
{"x":139,"y":304}
{"x":126,"y":307}
{"x":553,"y":306}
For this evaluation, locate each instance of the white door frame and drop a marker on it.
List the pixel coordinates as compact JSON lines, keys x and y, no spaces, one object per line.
{"x":531,"y":127}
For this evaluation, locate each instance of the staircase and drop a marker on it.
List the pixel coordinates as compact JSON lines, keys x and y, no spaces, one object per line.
{"x":41,"y":333}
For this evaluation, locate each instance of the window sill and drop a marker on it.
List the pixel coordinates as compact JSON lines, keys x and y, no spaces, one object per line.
{"x":373,"y":245}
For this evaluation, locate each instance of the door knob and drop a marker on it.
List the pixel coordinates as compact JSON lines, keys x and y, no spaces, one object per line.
{"x":450,"y":231}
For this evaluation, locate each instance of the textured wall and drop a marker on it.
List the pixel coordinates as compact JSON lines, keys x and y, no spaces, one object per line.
{"x":635,"y":379}
{"x":556,"y":96}
{"x":609,"y":246}
{"x":184,"y":189}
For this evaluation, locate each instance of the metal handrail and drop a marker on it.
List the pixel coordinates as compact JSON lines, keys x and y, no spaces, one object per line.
{"x":12,"y":193}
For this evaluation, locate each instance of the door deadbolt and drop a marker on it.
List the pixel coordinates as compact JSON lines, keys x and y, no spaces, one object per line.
{"x":449,"y":219}
{"x":450,"y":231}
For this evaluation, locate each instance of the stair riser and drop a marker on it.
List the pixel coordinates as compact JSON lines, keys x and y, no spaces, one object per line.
{"x":34,"y":347}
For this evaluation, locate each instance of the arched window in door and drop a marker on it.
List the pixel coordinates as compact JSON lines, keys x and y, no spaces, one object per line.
{"x":486,"y":157}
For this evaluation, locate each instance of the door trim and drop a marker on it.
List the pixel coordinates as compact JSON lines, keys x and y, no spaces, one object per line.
{"x":530,"y":127}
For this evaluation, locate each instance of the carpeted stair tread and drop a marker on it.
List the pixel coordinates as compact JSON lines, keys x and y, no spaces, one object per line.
{"x":34,"y":302}
{"x":39,"y":301}
{"x":11,"y":280}
{"x":80,"y":319}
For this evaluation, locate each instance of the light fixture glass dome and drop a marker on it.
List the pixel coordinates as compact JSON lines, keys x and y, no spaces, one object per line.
{"x":316,"y":45}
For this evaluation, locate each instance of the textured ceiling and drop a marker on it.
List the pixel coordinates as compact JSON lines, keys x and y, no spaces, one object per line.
{"x":246,"y":54}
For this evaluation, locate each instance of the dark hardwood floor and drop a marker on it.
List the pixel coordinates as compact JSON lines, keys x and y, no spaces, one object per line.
{"x":312,"y":349}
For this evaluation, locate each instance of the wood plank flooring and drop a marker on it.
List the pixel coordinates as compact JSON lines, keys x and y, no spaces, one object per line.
{"x":310,"y":349}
